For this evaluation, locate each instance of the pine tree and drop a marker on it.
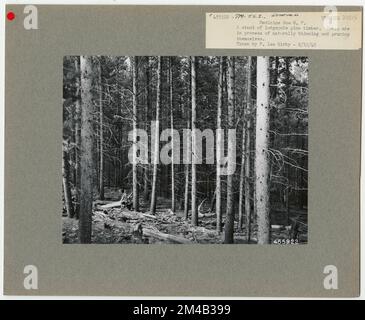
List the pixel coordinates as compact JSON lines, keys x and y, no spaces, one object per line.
{"x":86,"y":156}
{"x":262,"y":145}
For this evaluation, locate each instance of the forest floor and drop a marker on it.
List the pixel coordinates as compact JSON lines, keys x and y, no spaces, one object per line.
{"x":116,"y":225}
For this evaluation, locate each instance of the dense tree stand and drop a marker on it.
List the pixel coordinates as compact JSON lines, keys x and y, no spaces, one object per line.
{"x":185,"y":149}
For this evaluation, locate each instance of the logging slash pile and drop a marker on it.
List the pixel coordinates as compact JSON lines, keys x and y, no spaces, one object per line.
{"x":112,"y":223}
{"x":116,"y":225}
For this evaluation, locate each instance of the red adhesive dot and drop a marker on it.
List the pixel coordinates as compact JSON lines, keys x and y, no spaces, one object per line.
{"x":10,"y":15}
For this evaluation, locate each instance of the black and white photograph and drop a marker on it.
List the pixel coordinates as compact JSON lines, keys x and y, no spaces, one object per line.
{"x":185,"y":150}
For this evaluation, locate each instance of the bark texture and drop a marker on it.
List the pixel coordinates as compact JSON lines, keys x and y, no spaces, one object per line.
{"x":262,"y":144}
{"x":86,"y":156}
{"x":156,"y":139}
{"x":194,"y":211}
{"x":219,"y":149}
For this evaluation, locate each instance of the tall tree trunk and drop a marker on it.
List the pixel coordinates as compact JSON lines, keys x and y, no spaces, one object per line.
{"x":188,"y":153}
{"x":242,"y":174}
{"x":101,"y":115}
{"x":156,"y":140}
{"x":135,"y":116}
{"x":186,"y":191}
{"x":302,"y":182}
{"x":148,"y":108}
{"x":77,"y":138}
{"x":276,"y":77}
{"x":73,"y":152}
{"x":219,"y":148}
{"x":121,"y":126}
{"x":172,"y":139}
{"x":248,"y":154}
{"x":194,"y":211}
{"x":287,"y":138}
{"x":66,"y":184}
{"x":262,"y":145}
{"x":229,"y":225}
{"x":96,"y":154}
{"x":86,"y":156}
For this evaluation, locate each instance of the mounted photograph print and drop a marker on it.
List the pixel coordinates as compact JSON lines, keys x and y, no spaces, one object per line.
{"x":174,"y":149}
{"x":182,"y":151}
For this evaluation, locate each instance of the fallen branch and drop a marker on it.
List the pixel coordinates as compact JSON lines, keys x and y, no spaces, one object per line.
{"x":202,"y":230}
{"x":136,"y":215}
{"x":101,"y":202}
{"x":111,"y":205}
{"x":164,"y":236}
{"x":206,"y":215}
{"x":146,"y":215}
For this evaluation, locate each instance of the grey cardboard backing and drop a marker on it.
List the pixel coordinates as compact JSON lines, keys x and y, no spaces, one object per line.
{"x":33,"y":182}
